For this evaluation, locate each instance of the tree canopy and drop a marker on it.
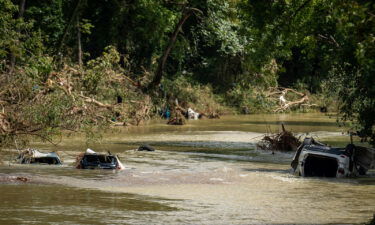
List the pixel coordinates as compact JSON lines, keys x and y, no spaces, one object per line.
{"x":237,"y":47}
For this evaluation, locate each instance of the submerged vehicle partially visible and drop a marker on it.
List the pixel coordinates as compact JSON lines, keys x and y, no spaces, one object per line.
{"x":317,"y":159}
{"x":34,"y":156}
{"x":93,"y":160}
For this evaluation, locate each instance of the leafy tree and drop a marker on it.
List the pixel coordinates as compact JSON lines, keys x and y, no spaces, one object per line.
{"x":320,"y":39}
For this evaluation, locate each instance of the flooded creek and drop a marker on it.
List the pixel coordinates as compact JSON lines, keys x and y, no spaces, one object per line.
{"x":207,"y":172}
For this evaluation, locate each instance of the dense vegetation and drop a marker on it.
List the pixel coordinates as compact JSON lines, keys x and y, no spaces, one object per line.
{"x":78,"y":64}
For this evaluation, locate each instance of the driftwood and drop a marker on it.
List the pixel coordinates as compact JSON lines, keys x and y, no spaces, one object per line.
{"x":283,"y":141}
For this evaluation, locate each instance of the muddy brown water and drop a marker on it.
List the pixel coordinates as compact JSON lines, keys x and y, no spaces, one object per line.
{"x":207,"y":172}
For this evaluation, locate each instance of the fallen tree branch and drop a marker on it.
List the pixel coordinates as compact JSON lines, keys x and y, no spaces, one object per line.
{"x":280,"y":93}
{"x":290,"y":104}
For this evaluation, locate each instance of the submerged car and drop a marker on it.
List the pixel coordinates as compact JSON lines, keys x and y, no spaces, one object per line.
{"x":313,"y":158}
{"x":33,"y":156}
{"x":93,"y":160}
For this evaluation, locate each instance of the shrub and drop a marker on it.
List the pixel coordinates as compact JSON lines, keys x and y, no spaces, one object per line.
{"x":193,"y":95}
{"x":249,"y":100}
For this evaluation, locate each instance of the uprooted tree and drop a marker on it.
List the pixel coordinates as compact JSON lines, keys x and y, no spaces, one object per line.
{"x":280,"y":93}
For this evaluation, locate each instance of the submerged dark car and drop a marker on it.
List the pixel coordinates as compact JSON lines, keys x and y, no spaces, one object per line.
{"x":93,"y":160}
{"x":317,"y":159}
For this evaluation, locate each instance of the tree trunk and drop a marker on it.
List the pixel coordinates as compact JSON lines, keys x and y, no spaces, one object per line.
{"x":159,"y":72}
{"x":21,"y":11}
{"x":68,"y":26}
{"x":79,"y":44}
{"x":21,"y":8}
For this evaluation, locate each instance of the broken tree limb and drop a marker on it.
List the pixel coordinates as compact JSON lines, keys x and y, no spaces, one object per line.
{"x":280,"y":90}
{"x":279,"y":93}
{"x":294,"y":91}
{"x":287,"y":105}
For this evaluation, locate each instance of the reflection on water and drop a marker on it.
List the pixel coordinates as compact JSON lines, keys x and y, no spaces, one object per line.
{"x":205,"y":173}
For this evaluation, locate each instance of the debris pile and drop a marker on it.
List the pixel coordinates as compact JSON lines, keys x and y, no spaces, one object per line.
{"x":283,"y":141}
{"x":177,"y":118}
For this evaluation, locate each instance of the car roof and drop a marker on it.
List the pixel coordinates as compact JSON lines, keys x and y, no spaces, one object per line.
{"x":325,"y":149}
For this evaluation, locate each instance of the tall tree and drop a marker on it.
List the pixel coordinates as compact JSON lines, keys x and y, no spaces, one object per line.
{"x":21,"y":11}
{"x":186,"y":13}
{"x":335,"y":38}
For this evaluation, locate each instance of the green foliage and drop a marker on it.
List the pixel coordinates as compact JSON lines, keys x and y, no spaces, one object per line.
{"x":318,"y":40}
{"x":8,"y":32}
{"x":16,"y":35}
{"x":51,"y":114}
{"x":97,"y":69}
{"x":85,"y":26}
{"x":48,"y":18}
{"x":216,"y":46}
{"x":193,"y":95}
{"x":249,"y":100}
{"x":39,"y":68}
{"x":237,"y":49}
{"x":221,"y":29}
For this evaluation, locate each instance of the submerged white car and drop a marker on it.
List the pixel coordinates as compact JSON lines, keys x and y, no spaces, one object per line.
{"x":316,"y":159}
{"x":34,"y":156}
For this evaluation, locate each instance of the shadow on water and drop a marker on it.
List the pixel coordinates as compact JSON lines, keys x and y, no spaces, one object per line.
{"x":222,"y":146}
{"x":267,"y":170}
{"x":294,"y":123}
{"x":62,"y":204}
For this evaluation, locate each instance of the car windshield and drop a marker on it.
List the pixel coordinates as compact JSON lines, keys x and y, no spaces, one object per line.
{"x":336,"y":151}
{"x":100,"y":158}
